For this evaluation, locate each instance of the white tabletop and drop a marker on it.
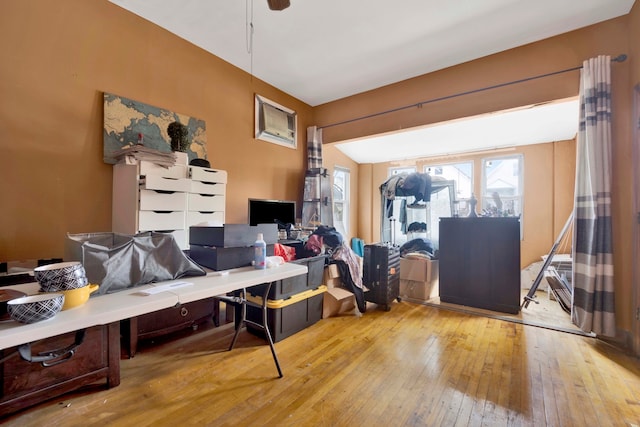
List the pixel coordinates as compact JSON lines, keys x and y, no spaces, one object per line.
{"x":105,"y":309}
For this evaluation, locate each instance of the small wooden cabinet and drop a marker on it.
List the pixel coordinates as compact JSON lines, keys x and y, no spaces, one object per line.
{"x":146,"y":326}
{"x":27,"y":383}
{"x":480,"y":262}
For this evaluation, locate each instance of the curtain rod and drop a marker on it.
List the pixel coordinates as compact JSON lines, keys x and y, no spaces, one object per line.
{"x":619,"y":58}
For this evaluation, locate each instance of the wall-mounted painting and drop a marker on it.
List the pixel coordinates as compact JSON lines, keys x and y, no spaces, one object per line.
{"x":126,"y":122}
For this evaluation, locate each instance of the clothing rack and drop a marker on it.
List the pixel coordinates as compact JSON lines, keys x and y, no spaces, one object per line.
{"x":619,"y":58}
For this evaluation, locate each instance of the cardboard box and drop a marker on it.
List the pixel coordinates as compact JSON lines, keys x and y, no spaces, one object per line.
{"x":333,"y":283}
{"x":422,"y":291}
{"x":419,"y":270}
{"x":337,"y":301}
{"x":331,"y":271}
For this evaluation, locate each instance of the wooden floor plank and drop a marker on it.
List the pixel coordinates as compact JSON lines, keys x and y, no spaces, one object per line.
{"x":413,"y":365}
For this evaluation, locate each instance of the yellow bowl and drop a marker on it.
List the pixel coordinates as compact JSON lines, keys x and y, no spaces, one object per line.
{"x":76,"y":297}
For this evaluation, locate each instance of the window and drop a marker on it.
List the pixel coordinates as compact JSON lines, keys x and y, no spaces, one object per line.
{"x":502,"y":186}
{"x":462,"y":175}
{"x":341,"y":199}
{"x":396,"y":171}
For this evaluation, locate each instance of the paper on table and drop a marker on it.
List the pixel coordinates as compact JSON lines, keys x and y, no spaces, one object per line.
{"x":164,"y":288}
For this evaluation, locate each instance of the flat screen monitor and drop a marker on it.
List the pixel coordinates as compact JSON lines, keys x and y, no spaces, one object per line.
{"x":281,"y":212}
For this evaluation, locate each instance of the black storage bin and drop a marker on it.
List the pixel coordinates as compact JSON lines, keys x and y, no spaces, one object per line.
{"x":285,"y":288}
{"x":232,"y":235}
{"x":224,"y":258}
{"x":286,"y":317}
{"x":381,"y":273}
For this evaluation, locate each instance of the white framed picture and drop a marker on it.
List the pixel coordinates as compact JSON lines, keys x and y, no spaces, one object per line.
{"x":275,"y":123}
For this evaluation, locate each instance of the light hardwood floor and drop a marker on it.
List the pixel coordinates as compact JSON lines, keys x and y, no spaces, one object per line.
{"x":414,"y":365}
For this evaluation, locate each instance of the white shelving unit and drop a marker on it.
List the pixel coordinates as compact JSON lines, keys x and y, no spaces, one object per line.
{"x":149,"y":197}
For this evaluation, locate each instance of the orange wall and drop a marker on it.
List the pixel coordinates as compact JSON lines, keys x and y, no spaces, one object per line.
{"x":59,"y":58}
{"x":330,"y":159}
{"x":634,"y":56}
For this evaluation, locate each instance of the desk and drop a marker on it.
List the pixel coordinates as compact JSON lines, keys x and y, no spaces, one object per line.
{"x":106,"y":309}
{"x":100,"y":316}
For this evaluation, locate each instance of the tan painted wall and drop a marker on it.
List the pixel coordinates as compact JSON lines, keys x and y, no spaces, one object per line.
{"x":634,"y":60}
{"x":63,"y":55}
{"x":332,"y":157}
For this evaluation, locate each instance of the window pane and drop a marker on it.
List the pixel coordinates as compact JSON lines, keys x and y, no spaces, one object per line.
{"x":396,"y":171}
{"x":460,"y":173}
{"x":502,"y":192}
{"x":341,"y":200}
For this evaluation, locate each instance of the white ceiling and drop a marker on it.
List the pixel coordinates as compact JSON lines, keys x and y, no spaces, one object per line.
{"x":322,"y":50}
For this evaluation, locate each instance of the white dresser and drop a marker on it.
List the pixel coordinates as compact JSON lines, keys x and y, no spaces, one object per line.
{"x":148,"y":197}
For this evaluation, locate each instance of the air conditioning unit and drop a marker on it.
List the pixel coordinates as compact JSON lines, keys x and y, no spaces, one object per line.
{"x":275,"y":123}
{"x":278,"y":122}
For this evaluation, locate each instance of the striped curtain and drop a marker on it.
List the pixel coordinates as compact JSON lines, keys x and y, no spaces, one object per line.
{"x":314,"y":147}
{"x":311,"y":206}
{"x":593,"y":294}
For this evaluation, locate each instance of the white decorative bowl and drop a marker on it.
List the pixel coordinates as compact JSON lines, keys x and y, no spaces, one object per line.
{"x":60,"y":276}
{"x":34,"y":308}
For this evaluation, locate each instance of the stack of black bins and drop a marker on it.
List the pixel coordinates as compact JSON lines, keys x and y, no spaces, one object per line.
{"x":293,"y":304}
{"x":230,"y":245}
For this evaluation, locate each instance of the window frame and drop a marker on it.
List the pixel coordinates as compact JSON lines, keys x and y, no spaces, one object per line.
{"x":485,"y":197}
{"x":342,"y":226}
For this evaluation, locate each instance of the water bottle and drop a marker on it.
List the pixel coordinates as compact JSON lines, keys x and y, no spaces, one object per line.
{"x":260,"y":252}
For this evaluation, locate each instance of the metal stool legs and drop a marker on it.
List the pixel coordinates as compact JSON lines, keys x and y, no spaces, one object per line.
{"x":243,"y":302}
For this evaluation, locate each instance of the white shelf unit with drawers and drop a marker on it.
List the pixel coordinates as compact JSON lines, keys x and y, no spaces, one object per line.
{"x":148,"y":197}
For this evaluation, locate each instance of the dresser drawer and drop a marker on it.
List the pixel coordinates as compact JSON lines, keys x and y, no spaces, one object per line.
{"x":214,"y":218}
{"x":207,"y":175}
{"x":155,"y":182}
{"x":161,"y":221}
{"x":151,"y":168}
{"x":96,"y":357}
{"x":206,"y":202}
{"x":152,"y":200}
{"x":200,"y":187}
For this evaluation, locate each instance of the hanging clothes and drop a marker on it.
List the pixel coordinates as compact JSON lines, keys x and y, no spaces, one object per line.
{"x":417,"y":185}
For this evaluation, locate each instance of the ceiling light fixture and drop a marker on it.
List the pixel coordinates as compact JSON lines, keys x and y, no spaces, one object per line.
{"x":278,"y":4}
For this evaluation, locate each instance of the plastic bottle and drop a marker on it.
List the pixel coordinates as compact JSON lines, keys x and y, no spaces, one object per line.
{"x":260,"y":252}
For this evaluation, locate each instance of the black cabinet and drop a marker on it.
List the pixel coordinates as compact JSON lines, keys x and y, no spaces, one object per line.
{"x":480,"y":262}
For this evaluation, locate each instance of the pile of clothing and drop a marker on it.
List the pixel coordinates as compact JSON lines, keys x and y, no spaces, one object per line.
{"x":328,"y":240}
